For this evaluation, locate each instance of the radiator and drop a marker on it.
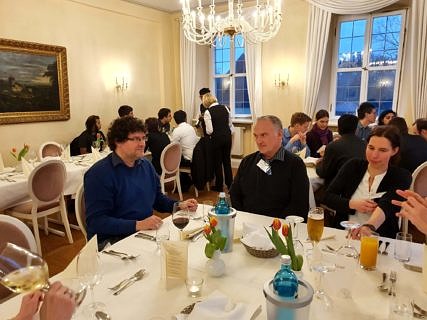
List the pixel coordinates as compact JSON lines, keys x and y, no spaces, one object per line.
{"x":237,"y":145}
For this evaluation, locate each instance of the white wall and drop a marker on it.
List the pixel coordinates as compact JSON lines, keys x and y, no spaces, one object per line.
{"x":103,"y":38}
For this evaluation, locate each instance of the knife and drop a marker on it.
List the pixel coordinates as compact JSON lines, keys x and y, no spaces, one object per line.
{"x":145,"y":236}
{"x":412,"y":267}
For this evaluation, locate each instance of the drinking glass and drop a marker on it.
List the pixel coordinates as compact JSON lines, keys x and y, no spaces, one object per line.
{"x":24,"y":271}
{"x":162,"y":234}
{"x":369,"y":251}
{"x":90,"y":274}
{"x":402,"y":246}
{"x":180,"y":217}
{"x":315,"y":224}
{"x":294,"y":222}
{"x":321,"y":266}
{"x":32,"y":157}
{"x":348,"y":249}
{"x":96,"y":144}
{"x":207,"y":206}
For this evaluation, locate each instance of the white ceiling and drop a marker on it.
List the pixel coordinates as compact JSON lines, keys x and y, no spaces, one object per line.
{"x":167,"y":5}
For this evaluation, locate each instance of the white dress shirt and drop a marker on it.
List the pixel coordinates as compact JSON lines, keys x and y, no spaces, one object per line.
{"x":187,"y":138}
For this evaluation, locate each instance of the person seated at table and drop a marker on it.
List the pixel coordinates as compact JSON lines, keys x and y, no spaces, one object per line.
{"x":271,"y":181}
{"x":319,"y":135}
{"x":125,"y":111}
{"x":57,"y":304}
{"x":413,"y":148}
{"x":165,"y":117}
{"x":420,"y":127}
{"x":83,"y":143}
{"x":156,"y":142}
{"x":363,"y":189}
{"x":385,"y":117}
{"x":413,"y":208}
{"x":366,"y":114}
{"x":348,"y":146}
{"x":122,"y":189}
{"x":294,"y":137}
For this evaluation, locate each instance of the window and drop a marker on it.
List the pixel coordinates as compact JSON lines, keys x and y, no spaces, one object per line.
{"x":230,"y":75}
{"x":368,"y":58}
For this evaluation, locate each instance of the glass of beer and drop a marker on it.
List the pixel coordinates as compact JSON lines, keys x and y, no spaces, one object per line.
{"x":315,"y":224}
{"x":369,"y":251}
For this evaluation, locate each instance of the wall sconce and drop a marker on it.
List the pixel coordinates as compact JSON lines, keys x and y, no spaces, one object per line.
{"x":280,"y":82}
{"x":121,"y":86}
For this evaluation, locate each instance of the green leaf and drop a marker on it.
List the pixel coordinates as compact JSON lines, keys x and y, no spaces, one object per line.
{"x":210,"y":248}
{"x":300,"y":261}
{"x":278,"y":242}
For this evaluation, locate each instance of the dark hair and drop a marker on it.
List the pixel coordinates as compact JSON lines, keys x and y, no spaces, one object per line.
{"x":180,"y":116}
{"x":322,"y":113}
{"x":382,"y":116}
{"x":365,"y":107}
{"x":347,"y":123}
{"x":203,"y":91}
{"x":125,"y":110}
{"x":152,"y":125}
{"x":274,"y":120}
{"x":163,"y":112}
{"x":391,"y":133}
{"x":121,"y":128}
{"x":421,"y":124}
{"x":91,"y":123}
{"x":299,"y":118}
{"x":400,"y":124}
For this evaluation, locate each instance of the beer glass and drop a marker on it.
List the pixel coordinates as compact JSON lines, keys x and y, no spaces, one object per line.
{"x":315,"y":224}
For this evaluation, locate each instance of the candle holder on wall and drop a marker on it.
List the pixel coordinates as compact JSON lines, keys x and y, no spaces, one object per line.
{"x":121,"y":86}
{"x":281,"y":82}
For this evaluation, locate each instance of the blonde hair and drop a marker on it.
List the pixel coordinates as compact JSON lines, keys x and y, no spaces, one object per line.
{"x":208,"y":99}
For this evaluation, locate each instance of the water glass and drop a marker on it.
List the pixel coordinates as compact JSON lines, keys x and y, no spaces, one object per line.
{"x":207,"y":205}
{"x":400,"y":308}
{"x":369,"y":251}
{"x":194,"y":286}
{"x":162,"y":234}
{"x":402,"y":246}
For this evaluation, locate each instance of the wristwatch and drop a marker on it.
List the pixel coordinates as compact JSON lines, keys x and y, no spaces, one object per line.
{"x":370,"y":226}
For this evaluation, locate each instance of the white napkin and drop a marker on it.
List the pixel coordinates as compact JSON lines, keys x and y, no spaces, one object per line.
{"x":26,"y":167}
{"x":66,"y":154}
{"x":1,"y":164}
{"x":218,"y":306}
{"x":258,"y":239}
{"x":302,"y":153}
{"x":249,"y":228}
{"x":95,"y":154}
{"x":44,"y":159}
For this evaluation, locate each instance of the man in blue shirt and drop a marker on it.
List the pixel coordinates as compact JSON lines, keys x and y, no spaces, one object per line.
{"x":294,"y":137}
{"x":366,"y":114}
{"x":122,"y":189}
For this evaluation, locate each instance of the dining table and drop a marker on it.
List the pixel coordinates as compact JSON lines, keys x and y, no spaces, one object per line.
{"x":354,"y":291}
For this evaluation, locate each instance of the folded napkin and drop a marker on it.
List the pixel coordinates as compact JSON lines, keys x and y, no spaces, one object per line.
{"x":26,"y":167}
{"x":310,"y":161}
{"x":188,"y":234}
{"x":47,"y":158}
{"x":95,"y":154}
{"x":258,"y":239}
{"x":1,"y":164}
{"x":302,"y":153}
{"x":249,"y":228}
{"x":66,"y":154}
{"x":218,"y":306}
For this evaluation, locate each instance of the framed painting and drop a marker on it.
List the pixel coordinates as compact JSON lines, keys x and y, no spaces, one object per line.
{"x":33,"y":82}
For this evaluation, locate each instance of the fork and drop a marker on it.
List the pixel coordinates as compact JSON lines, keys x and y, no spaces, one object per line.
{"x":387,"y":243}
{"x":122,"y":255}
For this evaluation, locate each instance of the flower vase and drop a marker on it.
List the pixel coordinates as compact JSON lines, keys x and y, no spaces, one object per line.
{"x":18,"y":166}
{"x":215,"y":266}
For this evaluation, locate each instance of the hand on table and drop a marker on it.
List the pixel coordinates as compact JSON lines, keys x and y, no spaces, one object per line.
{"x":357,"y":233}
{"x":190,"y":204}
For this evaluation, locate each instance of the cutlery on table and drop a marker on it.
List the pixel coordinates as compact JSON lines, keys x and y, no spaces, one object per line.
{"x":101,"y":315}
{"x":418,"y":309}
{"x":119,"y":285}
{"x":384,"y":252}
{"x":145,"y":236}
{"x":137,"y":276}
{"x":121,"y":255}
{"x":393,"y":279}
{"x":380,"y":242}
{"x":383,"y":286}
{"x":412,"y":267}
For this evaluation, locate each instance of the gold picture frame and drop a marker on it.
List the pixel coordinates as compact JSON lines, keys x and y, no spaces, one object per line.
{"x":33,"y":82}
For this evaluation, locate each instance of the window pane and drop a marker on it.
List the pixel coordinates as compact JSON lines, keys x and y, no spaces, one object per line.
{"x":348,"y":92}
{"x":359,"y":28}
{"x":222,"y":56}
{"x":241,"y":98}
{"x":392,"y":40}
{"x":394,"y":23}
{"x":381,"y":88}
{"x":379,"y":25}
{"x":222,"y":90}
{"x":346,"y":29}
{"x":351,"y":44}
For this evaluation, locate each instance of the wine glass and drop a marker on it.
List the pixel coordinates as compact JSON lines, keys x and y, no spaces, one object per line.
{"x":207,"y":206}
{"x":180,"y":217}
{"x":24,"y":271}
{"x":294,"y":222}
{"x":318,"y":263}
{"x":90,"y":274}
{"x":315,"y":224}
{"x":348,"y":249}
{"x":32,"y":157}
{"x":162,"y":234}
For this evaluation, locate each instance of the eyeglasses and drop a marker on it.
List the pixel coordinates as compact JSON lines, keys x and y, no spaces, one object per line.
{"x":138,"y":139}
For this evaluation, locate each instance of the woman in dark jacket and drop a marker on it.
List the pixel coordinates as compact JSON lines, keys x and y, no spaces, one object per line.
{"x":156,"y":142}
{"x":363,"y":189}
{"x":319,"y":135}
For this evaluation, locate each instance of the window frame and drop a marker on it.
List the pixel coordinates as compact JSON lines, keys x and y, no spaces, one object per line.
{"x":365,"y":68}
{"x":232,"y":78}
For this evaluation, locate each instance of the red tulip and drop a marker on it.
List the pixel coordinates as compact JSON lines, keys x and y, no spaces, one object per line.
{"x":14,"y":150}
{"x":213,"y":222}
{"x":207,"y":229}
{"x":276,"y":224}
{"x":285,"y":230}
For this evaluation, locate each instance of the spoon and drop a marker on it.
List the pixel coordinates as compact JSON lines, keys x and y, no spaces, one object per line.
{"x":100,"y":315}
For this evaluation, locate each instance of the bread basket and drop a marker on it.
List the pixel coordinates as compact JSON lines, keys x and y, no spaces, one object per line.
{"x":259,"y":253}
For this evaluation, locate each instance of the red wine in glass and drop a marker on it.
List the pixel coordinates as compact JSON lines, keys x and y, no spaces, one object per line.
{"x":180,"y":222}
{"x":180,"y":217}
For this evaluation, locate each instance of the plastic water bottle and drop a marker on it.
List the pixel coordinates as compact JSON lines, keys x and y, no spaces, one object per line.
{"x":222,"y":206}
{"x":285,"y":282}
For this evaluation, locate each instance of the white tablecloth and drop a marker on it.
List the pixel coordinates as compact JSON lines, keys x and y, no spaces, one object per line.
{"x":243,"y":281}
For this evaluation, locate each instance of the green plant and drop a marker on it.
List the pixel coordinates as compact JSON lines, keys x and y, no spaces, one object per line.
{"x":21,"y":154}
{"x":281,"y":247}
{"x":215,"y":239}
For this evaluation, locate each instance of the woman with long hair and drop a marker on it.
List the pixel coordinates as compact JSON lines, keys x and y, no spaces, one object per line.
{"x":363,"y":189}
{"x":319,"y":135}
{"x":385,"y":117}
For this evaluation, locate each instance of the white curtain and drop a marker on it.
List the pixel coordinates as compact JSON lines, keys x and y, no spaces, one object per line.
{"x":188,"y":75}
{"x":419,"y":58}
{"x":318,"y":38}
{"x":254,"y":77}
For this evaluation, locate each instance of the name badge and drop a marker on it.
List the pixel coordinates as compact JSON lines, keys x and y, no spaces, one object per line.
{"x":264,"y":166}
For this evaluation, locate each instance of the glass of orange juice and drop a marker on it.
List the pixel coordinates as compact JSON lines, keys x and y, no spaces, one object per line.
{"x":369,"y":251}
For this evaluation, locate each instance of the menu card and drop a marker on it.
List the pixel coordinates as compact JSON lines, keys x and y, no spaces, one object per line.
{"x":174,"y":262}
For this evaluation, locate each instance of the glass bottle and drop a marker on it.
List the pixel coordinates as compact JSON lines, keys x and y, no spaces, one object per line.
{"x":285,"y":282}
{"x":222,"y":206}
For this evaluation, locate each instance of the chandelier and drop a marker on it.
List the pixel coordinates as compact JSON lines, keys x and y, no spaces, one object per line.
{"x":261,"y":23}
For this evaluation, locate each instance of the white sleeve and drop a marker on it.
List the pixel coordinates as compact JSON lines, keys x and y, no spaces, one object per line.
{"x":208,"y":122}
{"x":230,"y":121}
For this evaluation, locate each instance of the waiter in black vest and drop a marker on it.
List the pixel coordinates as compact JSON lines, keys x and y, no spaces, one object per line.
{"x":219,"y":127}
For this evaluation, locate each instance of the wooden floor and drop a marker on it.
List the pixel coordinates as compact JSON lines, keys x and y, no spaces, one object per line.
{"x":58,"y":252}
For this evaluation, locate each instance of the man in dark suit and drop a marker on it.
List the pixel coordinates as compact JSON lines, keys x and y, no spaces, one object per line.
{"x":338,"y":152}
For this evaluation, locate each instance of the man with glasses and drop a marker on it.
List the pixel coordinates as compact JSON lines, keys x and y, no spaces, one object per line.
{"x":366,"y":114}
{"x":122,"y":189}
